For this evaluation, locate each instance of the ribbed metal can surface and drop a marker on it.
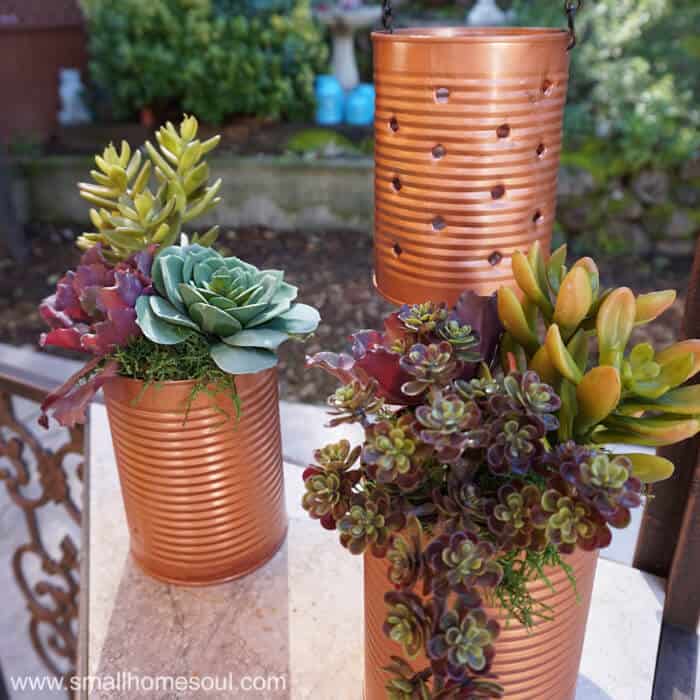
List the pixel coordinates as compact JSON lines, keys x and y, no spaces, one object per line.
{"x":537,"y":664}
{"x":468,"y":136}
{"x":204,"y":497}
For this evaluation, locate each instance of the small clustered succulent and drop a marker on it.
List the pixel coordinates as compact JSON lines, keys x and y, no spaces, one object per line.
{"x":484,"y":446}
{"x":142,"y":279}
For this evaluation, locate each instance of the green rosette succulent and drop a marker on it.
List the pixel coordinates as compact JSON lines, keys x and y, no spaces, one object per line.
{"x":245,"y":313}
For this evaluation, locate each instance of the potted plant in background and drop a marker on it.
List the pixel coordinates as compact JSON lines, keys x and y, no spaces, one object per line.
{"x":484,"y":489}
{"x":184,"y":343}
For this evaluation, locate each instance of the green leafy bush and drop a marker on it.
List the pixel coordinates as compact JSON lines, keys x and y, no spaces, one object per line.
{"x":635,"y":77}
{"x":214,"y":58}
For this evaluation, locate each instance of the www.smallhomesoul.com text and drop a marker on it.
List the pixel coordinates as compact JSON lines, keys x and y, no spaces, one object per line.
{"x":125,"y":681}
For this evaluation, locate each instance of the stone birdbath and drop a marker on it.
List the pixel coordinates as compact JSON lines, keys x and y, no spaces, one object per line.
{"x":344,"y":20}
{"x":487,"y":14}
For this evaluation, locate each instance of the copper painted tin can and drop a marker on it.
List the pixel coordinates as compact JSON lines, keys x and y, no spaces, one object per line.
{"x":539,"y":664}
{"x":204,"y":499}
{"x":468,"y":136}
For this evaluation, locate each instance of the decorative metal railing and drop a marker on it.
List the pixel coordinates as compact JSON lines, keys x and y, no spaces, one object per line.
{"x":39,"y":478}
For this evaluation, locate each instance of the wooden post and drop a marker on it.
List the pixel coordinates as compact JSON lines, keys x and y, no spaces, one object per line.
{"x":669,"y":540}
{"x":663,"y":515}
{"x":682,"y":607}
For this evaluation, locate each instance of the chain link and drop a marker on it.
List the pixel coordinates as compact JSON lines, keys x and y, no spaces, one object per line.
{"x":571,"y":7}
{"x":388,"y":16}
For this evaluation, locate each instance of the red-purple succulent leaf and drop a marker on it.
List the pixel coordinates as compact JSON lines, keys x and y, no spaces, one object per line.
{"x":143,"y":260}
{"x":383,"y":365}
{"x":116,"y":331}
{"x":126,"y":290}
{"x":362,"y":341}
{"x":96,"y":274}
{"x":604,"y":537}
{"x":89,"y":301}
{"x":620,"y":517}
{"x":57,"y":316}
{"x":310,"y":471}
{"x":328,"y":522}
{"x":481,"y":313}
{"x":67,"y":338}
{"x":339,"y":365}
{"x":93,"y":307}
{"x":394,"y":329}
{"x":67,"y":299}
{"x":70,"y":401}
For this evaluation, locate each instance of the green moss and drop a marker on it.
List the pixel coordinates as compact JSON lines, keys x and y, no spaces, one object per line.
{"x":186,"y":361}
{"x":320,"y":142}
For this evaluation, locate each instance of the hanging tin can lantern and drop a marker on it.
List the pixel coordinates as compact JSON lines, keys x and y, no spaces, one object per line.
{"x":468,"y":137}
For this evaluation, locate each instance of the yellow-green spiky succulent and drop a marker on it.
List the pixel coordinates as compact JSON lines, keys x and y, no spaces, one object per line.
{"x":128,"y":215}
{"x":621,"y":395}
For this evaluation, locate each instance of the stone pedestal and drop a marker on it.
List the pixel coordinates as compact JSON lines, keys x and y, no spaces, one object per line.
{"x":294,"y":628}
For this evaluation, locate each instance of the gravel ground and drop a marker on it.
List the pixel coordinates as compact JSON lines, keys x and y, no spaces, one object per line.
{"x":332,"y":270}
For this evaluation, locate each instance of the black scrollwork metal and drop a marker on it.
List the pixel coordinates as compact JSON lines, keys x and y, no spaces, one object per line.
{"x":28,"y":467}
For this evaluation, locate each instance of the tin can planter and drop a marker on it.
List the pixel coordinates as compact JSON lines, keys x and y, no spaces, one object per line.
{"x":533,"y":664}
{"x":468,"y":137}
{"x":204,"y":497}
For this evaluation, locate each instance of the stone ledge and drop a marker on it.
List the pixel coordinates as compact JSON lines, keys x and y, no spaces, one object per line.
{"x":290,"y":192}
{"x":282,"y":192}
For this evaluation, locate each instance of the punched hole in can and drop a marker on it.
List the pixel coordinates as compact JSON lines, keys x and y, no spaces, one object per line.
{"x":439,"y":223}
{"x":442,"y":95}
{"x":397,"y":250}
{"x":396,"y":184}
{"x":439,"y":151}
{"x":498,"y":191}
{"x":540,"y":150}
{"x":394,"y":124}
{"x":495,"y":258}
{"x":503,"y":131}
{"x":547,"y":86}
{"x":537,"y":217}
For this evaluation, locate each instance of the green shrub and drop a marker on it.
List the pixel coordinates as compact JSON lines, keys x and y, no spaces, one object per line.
{"x":213,"y":58}
{"x":635,"y":77}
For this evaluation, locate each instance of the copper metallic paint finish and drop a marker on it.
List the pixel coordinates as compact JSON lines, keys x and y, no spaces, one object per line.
{"x":205,"y":500}
{"x":538,"y":665}
{"x":507,"y":89}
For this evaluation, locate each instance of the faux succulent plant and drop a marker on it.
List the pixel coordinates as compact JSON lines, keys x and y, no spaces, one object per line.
{"x":245,"y":312}
{"x":137,"y":292}
{"x":94,"y":306}
{"x":129,"y":215}
{"x":620,"y":394}
{"x":485,"y":431}
{"x":93,"y":310}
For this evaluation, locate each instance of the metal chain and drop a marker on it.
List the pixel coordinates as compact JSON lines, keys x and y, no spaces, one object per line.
{"x":571,"y":7}
{"x":388,"y":16}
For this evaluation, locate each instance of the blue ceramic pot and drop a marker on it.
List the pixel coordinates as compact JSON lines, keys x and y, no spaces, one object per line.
{"x":330,"y":100}
{"x":359,"y":105}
